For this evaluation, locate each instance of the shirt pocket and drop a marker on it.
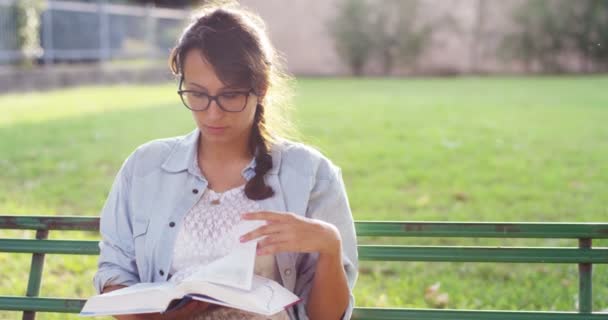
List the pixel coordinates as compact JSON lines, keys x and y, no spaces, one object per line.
{"x":140,"y":231}
{"x":140,"y":227}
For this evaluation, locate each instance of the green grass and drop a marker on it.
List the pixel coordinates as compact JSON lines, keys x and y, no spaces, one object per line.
{"x":486,"y":149}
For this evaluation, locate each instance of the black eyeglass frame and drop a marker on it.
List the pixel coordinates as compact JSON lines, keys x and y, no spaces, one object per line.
{"x":215,"y":98}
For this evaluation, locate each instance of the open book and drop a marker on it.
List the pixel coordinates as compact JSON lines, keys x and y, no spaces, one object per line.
{"x":228,"y":281}
{"x":265,"y":297}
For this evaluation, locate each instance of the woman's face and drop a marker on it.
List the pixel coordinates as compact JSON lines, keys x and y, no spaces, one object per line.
{"x":215,"y":124}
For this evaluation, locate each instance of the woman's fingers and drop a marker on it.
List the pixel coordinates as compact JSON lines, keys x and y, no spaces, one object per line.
{"x":286,"y":232}
{"x":278,"y":247}
{"x":276,"y":238}
{"x":192,"y":307}
{"x":264,"y":230}
{"x":266,"y":215}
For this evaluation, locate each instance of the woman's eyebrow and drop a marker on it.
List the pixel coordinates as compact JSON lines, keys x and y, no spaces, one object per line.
{"x":197,"y":85}
{"x":222,"y":89}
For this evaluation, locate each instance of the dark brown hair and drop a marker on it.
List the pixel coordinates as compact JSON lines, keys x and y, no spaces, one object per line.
{"x":234,"y":42}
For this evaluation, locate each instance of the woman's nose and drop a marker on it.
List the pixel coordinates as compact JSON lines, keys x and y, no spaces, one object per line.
{"x":214,"y":110}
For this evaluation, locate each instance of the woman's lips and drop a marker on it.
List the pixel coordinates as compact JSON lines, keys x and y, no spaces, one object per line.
{"x":215,"y":130}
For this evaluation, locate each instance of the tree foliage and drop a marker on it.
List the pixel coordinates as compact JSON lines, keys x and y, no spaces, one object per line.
{"x":352,"y":34}
{"x":400,"y":37}
{"x":391,"y":31}
{"x":547,"y":30}
{"x":27,"y":13}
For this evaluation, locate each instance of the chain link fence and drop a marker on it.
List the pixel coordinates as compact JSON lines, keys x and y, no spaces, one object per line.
{"x":9,"y":42}
{"x":79,"y":32}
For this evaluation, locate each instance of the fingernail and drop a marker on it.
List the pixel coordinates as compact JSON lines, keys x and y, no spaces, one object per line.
{"x":242,"y":238}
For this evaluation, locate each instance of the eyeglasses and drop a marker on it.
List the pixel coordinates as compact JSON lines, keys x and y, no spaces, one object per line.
{"x":229,"y":101}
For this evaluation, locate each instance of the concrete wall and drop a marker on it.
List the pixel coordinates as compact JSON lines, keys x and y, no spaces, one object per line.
{"x":298,"y":28}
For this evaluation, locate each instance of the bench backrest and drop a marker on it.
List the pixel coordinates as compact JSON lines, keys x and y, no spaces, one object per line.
{"x":583,"y":255}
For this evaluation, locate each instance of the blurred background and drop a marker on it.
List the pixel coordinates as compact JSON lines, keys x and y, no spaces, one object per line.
{"x":328,"y":38}
{"x":460,"y":110}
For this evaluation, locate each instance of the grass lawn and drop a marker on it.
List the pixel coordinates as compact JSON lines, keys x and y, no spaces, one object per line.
{"x":483,"y":149}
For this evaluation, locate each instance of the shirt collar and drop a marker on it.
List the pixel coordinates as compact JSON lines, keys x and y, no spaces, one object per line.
{"x":184,"y":157}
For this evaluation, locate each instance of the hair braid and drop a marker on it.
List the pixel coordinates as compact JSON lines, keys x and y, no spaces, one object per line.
{"x":256,"y":188}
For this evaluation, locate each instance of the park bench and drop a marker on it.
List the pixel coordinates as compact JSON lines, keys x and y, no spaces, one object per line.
{"x":583,"y":255}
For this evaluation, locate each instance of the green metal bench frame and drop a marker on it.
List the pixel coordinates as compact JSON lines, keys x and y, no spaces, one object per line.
{"x":583,"y":255}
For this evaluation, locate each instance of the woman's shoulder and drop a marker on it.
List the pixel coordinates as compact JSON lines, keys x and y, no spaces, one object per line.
{"x":152,"y":154}
{"x":158,"y":148}
{"x":305,"y":159}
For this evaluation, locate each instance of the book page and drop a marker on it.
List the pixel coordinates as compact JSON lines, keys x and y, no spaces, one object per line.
{"x":234,"y":269}
{"x":266,"y":296}
{"x":138,"y":298}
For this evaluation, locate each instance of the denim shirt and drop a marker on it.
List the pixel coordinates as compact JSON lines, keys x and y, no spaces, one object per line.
{"x":157,"y":185}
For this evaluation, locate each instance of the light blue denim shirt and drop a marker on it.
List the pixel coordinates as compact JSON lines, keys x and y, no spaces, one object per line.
{"x":157,"y":185}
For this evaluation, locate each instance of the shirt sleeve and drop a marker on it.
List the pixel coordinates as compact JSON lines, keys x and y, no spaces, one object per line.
{"x":116,"y":264}
{"x":329,"y":202}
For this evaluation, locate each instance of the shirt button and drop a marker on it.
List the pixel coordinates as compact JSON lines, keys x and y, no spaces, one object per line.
{"x":171,"y":224}
{"x":195,"y":191}
{"x":287,"y":272}
{"x":161,"y":272}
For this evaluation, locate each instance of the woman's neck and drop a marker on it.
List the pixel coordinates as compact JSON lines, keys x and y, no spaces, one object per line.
{"x":221,"y":152}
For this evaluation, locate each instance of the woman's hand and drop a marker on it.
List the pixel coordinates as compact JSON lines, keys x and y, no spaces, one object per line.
{"x":191,"y":308}
{"x":288,"y":232}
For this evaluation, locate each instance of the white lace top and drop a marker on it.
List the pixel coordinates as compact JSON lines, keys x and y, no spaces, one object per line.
{"x":199,"y":241}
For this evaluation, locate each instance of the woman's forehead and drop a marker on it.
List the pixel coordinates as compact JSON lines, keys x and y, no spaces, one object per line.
{"x":198,"y":71}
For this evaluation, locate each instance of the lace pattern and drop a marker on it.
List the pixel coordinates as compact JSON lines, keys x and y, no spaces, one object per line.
{"x":202,"y":239}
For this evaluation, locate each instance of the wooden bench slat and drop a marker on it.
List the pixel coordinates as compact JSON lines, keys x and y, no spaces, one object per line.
{"x":434,"y":314}
{"x":482,"y":254}
{"x":555,"y":230}
{"x":367,"y":252}
{"x":49,"y":223}
{"x":482,"y":230}
{"x":41,"y":304}
{"x":88,"y":247}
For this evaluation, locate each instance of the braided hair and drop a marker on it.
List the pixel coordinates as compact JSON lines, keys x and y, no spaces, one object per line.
{"x":256,"y":188}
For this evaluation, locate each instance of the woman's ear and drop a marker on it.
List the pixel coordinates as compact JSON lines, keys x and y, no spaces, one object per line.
{"x":261,"y":95}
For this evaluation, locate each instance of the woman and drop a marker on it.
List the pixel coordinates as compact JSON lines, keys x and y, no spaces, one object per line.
{"x":173,"y":198}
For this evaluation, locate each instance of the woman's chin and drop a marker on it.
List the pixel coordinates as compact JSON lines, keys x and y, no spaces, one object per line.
{"x":215,"y":138}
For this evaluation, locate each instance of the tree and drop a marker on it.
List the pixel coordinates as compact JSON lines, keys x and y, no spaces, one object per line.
{"x":351,"y":34}
{"x":476,"y":48}
{"x":399,"y":35}
{"x":589,"y":32}
{"x":539,"y":36}
{"x":28,"y":13}
{"x":547,"y":30}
